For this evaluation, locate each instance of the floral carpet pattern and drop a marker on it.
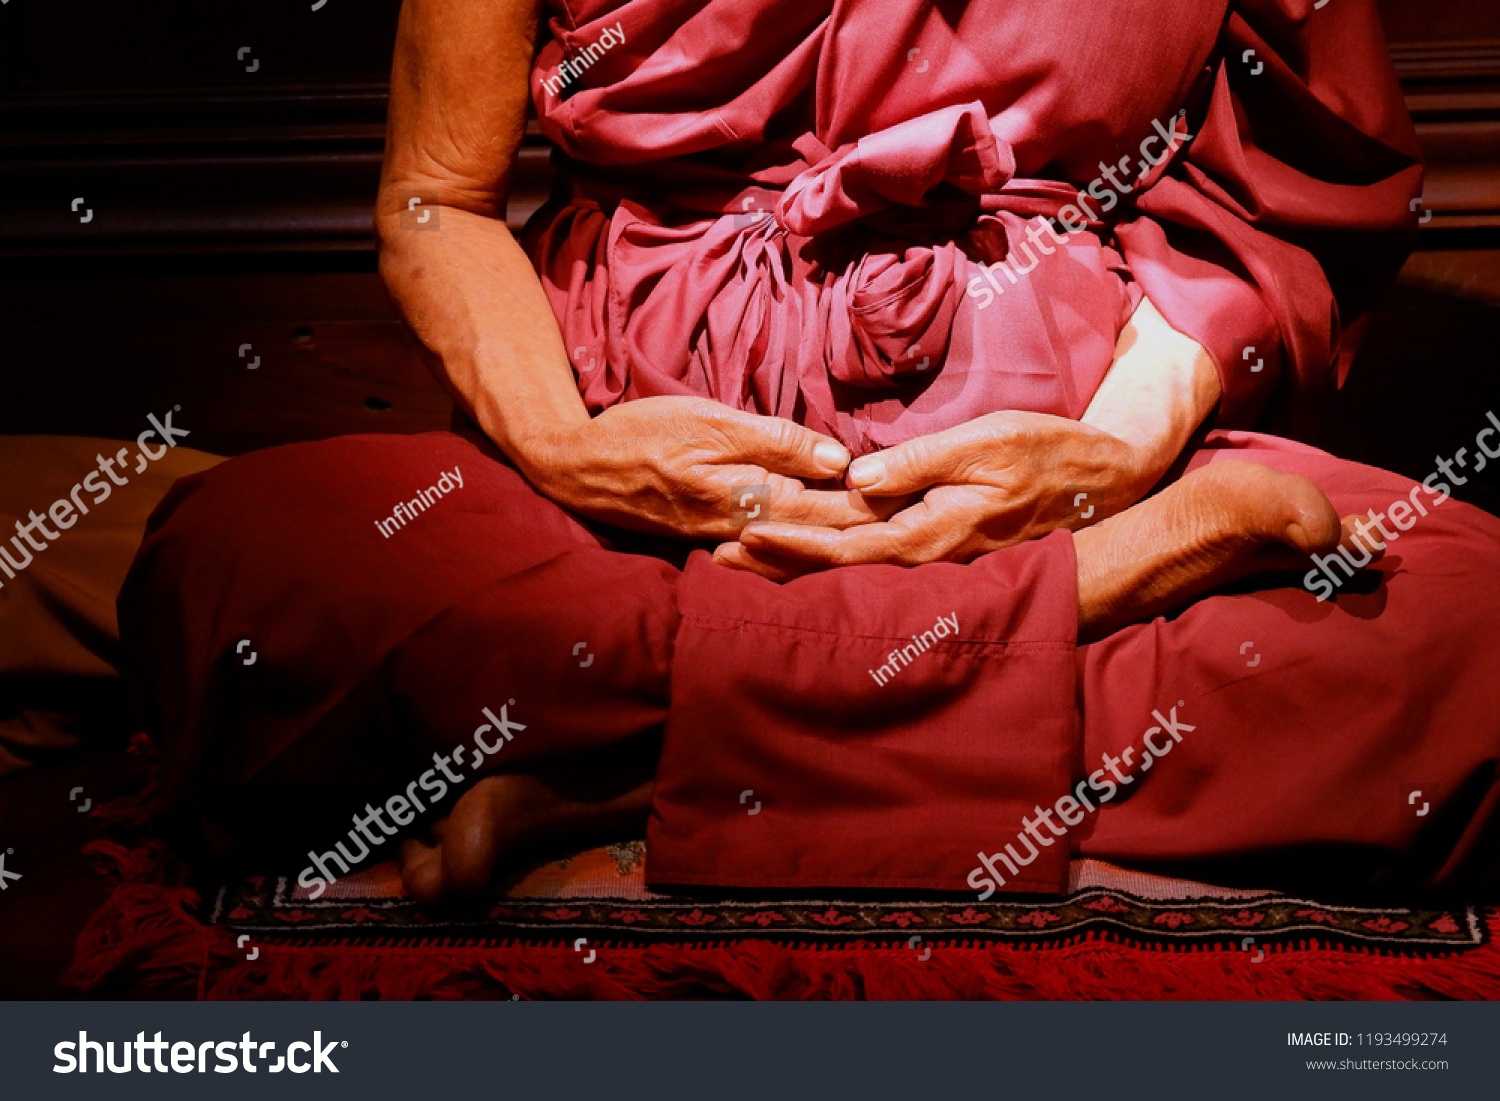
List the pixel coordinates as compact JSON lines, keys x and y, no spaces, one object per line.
{"x":600,"y":894}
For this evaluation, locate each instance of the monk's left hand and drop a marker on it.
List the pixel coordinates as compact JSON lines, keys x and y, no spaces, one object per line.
{"x":998,"y":480}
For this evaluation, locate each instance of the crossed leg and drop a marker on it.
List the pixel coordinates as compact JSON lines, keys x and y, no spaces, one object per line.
{"x":1216,"y":525}
{"x":376,"y":651}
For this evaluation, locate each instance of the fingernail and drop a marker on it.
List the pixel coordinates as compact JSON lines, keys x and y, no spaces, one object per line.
{"x":831,"y":455}
{"x":866,"y":472}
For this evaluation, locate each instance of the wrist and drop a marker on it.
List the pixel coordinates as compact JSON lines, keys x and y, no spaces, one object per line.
{"x":546,"y":455}
{"x":1142,"y":464}
{"x":535,"y":440}
{"x":1158,"y":392}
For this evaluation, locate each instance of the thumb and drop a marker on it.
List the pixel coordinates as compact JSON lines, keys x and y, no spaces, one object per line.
{"x":907,"y":467}
{"x":781,"y":446}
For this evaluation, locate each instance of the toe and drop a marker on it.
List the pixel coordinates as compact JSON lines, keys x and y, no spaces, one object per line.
{"x":422,"y":870}
{"x":1308,"y":521}
{"x":1349,"y":539}
{"x":471,"y":845}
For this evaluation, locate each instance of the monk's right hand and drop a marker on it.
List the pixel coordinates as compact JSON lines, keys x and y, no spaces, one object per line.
{"x":695,"y":468}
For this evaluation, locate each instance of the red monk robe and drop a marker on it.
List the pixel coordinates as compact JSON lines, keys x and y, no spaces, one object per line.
{"x":899,"y":149}
{"x":896,"y":145}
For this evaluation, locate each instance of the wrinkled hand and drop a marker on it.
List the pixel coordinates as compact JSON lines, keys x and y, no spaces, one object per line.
{"x":671,"y":465}
{"x":998,"y":480}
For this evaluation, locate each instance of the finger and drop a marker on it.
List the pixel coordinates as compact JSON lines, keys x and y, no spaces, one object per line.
{"x":831,"y":508}
{"x":779,"y":445}
{"x":918,"y":463}
{"x":736,"y":556}
{"x":898,"y":543}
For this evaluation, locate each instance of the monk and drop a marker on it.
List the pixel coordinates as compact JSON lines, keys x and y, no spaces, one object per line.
{"x":860,"y":487}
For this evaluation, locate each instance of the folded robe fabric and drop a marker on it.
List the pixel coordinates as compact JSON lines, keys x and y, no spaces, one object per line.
{"x":785,"y":204}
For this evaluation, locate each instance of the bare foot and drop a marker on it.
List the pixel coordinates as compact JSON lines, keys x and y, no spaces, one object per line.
{"x":1217,"y":524}
{"x":503,"y":814}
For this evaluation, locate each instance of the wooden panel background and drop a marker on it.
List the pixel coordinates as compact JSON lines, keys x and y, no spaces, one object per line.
{"x":144,"y":108}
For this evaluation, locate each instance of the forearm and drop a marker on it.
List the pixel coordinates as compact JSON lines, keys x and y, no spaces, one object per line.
{"x":1158,"y":391}
{"x":457,"y":116}
{"x":471,"y":296}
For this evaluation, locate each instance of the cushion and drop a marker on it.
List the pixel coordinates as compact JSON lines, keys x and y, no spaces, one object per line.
{"x":59,"y":641}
